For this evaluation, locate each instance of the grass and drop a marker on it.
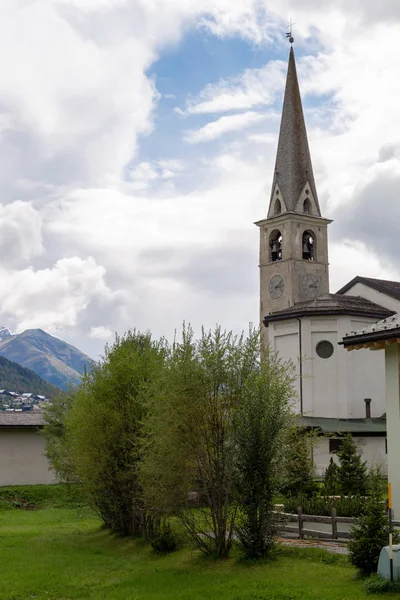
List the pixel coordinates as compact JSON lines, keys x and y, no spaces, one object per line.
{"x":64,"y":554}
{"x":32,"y":497}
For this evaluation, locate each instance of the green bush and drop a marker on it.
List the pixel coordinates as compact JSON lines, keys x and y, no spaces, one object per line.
{"x":298,"y":466}
{"x":346,"y":506}
{"x":368,"y":536}
{"x":375,"y":584}
{"x":352,"y":471}
{"x":166,"y":540}
{"x":331,"y":479}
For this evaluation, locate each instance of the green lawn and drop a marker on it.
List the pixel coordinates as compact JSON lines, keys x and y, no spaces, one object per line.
{"x":63,"y":554}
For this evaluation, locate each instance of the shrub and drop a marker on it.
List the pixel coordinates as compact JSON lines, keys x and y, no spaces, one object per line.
{"x":368,"y":536}
{"x":331,"y":479}
{"x":298,"y":465}
{"x":349,"y":506}
{"x":104,"y":431}
{"x":166,"y":540}
{"x":261,"y":422}
{"x":377,"y":481}
{"x":375,"y":584}
{"x":352,"y":472}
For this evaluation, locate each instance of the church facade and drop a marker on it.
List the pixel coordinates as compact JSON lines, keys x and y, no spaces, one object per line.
{"x":337,"y":391}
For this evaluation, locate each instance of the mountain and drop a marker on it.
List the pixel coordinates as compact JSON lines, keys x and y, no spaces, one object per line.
{"x":4,"y":333}
{"x":15,"y":378}
{"x":52,"y":359}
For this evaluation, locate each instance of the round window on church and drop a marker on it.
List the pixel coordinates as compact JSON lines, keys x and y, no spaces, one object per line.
{"x":324,"y":349}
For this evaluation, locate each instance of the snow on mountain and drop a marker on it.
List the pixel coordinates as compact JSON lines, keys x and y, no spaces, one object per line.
{"x":5,"y":333}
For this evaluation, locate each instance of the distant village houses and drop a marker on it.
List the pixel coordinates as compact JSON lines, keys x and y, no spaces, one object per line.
{"x":11,"y":401}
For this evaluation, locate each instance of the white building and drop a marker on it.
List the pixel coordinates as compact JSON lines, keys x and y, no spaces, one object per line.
{"x":385,"y":335}
{"x":337,"y":391}
{"x":23,"y":450}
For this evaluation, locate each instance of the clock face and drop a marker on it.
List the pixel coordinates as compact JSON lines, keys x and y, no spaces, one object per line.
{"x":276,"y":286}
{"x":310,"y":285}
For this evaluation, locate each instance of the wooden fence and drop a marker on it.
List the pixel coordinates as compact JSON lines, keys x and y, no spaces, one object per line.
{"x":333,"y":520}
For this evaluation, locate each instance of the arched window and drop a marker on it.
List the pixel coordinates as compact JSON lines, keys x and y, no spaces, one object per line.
{"x":275,"y":245}
{"x":308,"y":246}
{"x":307,"y":206}
{"x":278,"y":207}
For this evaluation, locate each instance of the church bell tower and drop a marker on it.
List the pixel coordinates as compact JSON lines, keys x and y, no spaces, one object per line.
{"x":293,"y":236}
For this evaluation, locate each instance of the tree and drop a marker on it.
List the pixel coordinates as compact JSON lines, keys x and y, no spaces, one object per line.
{"x":104,"y":430}
{"x":352,"y":473}
{"x":56,"y":444}
{"x":191,"y":449}
{"x":261,"y":421}
{"x":331,"y":479}
{"x":369,"y":535}
{"x":298,"y":464}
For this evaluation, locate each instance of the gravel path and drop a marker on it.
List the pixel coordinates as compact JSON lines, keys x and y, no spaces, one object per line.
{"x":336,"y":548}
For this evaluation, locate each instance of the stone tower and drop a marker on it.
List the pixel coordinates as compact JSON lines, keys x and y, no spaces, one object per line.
{"x":293,"y":236}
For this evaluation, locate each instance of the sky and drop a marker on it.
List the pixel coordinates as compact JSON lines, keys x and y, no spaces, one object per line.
{"x":137,"y":146}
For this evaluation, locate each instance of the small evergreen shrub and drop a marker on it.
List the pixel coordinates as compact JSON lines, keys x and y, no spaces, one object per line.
{"x":331,"y":479}
{"x":377,"y":481}
{"x":298,"y":465}
{"x":352,"y":471}
{"x":165,"y":541}
{"x":368,"y":536}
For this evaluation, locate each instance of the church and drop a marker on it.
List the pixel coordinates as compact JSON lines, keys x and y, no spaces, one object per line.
{"x":337,"y":391}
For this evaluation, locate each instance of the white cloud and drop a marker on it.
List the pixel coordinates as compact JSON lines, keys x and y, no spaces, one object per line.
{"x":52,"y":298}
{"x":101,"y":333}
{"x":216,"y":129}
{"x":145,"y":173}
{"x":254,"y":87}
{"x":20,"y":233}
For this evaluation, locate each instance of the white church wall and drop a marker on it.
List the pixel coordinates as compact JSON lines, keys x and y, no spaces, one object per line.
{"x":360,"y":289}
{"x":334,"y":387}
{"x":284,"y":339}
{"x":368,"y":378}
{"x":324,"y":377}
{"x":372,"y":448}
{"x":362,"y":375}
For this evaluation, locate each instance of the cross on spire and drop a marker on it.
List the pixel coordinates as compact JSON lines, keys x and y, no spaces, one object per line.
{"x":289,"y":32}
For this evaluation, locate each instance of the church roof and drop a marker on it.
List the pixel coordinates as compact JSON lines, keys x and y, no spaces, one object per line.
{"x":361,"y":426}
{"x":390,"y":288}
{"x":386,"y":329}
{"x":12,"y":420}
{"x":293,"y":168}
{"x":331,"y":304}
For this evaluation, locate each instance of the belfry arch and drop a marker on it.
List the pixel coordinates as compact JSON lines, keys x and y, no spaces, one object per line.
{"x":308,"y":246}
{"x":275,"y":245}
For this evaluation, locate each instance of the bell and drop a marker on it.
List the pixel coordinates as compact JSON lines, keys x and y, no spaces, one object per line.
{"x":274,"y":251}
{"x":306,"y":250}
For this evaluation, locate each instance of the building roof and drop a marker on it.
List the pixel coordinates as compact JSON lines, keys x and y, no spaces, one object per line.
{"x":331,"y":304}
{"x":386,"y":329}
{"x":17,"y":420}
{"x":390,"y":288}
{"x":358,"y":426}
{"x":293,"y":168}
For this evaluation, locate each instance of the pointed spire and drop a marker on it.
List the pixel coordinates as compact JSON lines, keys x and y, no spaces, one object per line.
{"x":293,"y":168}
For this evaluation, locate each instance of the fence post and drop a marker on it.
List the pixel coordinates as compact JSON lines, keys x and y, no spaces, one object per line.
{"x":300,"y":519}
{"x":334,"y":524}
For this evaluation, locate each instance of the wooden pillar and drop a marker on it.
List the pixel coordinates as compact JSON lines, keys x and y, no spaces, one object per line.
{"x":393,"y":422}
